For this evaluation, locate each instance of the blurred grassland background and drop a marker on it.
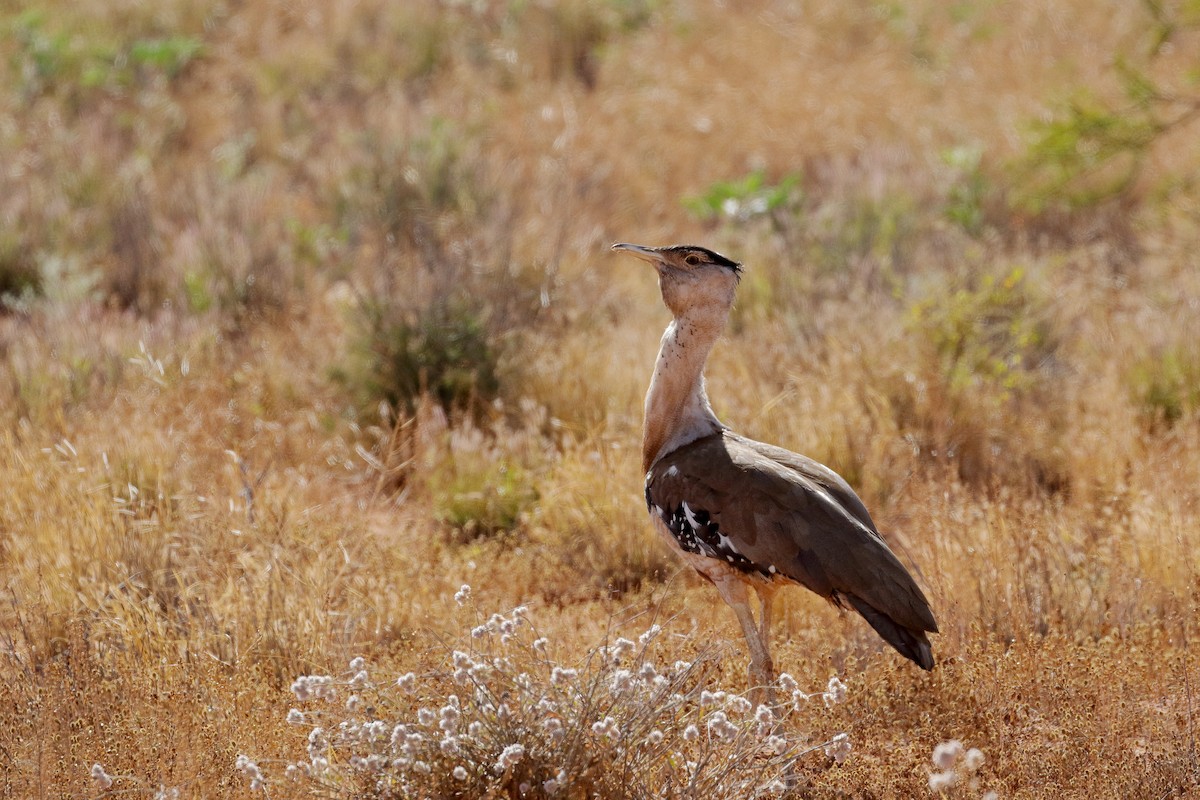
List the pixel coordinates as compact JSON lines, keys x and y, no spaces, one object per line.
{"x":307,"y":318}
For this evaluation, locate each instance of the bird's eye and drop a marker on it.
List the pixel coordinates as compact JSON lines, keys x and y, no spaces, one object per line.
{"x":691,"y":259}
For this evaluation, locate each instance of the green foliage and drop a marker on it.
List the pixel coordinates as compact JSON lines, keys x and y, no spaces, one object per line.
{"x":169,"y":55}
{"x":1091,"y":149}
{"x":993,"y":334}
{"x":476,"y":497}
{"x":1166,"y":386}
{"x":844,"y":236}
{"x":444,"y":350}
{"x":20,"y":278}
{"x":745,"y":199}
{"x":964,"y":201}
{"x":401,"y":186}
{"x":49,"y":58}
{"x":1086,"y":154}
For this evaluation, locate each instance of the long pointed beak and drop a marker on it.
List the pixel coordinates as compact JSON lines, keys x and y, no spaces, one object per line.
{"x":644,"y":253}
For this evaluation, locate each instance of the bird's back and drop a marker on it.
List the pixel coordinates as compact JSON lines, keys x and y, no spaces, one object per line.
{"x":770,"y":512}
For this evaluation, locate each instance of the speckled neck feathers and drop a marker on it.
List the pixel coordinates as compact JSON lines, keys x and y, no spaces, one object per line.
{"x":677,"y":407}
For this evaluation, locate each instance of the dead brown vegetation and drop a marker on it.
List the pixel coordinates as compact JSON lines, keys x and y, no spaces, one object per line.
{"x":308,"y":319}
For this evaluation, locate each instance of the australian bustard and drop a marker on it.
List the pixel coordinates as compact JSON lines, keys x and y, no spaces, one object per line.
{"x":748,"y":515}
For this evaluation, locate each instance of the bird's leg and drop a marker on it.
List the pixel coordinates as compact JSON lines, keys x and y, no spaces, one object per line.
{"x":766,"y":596}
{"x":761,"y":672}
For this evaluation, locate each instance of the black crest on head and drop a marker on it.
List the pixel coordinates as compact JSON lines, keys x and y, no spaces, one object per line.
{"x":712,"y":255}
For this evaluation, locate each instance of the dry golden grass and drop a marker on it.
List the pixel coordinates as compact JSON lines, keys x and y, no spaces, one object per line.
{"x":216,"y":219}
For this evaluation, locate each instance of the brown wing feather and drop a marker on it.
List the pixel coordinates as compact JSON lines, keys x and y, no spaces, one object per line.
{"x":783,"y":510}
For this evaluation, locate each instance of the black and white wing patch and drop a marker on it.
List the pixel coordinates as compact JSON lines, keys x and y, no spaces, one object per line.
{"x":695,"y":531}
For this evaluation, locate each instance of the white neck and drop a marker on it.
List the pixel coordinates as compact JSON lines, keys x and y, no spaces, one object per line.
{"x":677,"y":408}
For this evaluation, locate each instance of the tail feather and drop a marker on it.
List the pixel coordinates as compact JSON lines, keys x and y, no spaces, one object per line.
{"x":910,"y":643}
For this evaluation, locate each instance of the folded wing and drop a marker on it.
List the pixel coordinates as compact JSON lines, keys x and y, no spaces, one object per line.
{"x":783,"y":513}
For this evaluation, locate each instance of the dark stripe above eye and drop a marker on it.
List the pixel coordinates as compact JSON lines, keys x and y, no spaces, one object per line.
{"x":711,"y":256}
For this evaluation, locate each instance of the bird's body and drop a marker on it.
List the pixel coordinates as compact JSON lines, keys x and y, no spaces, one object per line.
{"x":748,"y":515}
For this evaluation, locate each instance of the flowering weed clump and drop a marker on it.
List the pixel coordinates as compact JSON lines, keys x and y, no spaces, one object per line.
{"x":957,"y":767}
{"x":504,"y":716}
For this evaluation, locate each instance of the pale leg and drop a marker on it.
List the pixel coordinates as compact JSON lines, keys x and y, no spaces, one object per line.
{"x":762,"y":673}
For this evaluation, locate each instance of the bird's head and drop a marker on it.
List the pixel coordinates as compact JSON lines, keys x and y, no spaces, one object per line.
{"x":694,"y":280}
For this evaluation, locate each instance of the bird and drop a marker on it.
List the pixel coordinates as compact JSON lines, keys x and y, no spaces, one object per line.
{"x":750,"y":516}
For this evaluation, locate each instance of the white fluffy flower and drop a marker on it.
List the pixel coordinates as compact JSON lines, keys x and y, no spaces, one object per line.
{"x":655,"y":737}
{"x":510,"y":756}
{"x":620,"y":649}
{"x":407,"y":681}
{"x":295,"y":717}
{"x":553,"y":785}
{"x":787,"y":683}
{"x":691,"y":733}
{"x":651,"y":632}
{"x":839,"y":747}
{"x":357,"y":663}
{"x":310,"y":686}
{"x":946,"y":753}
{"x":101,"y":777}
{"x":720,"y":727}
{"x":973,"y":759}
{"x":540,"y":643}
{"x":463,"y":594}
{"x":941,"y":781}
{"x":560,"y":675}
{"x":460,"y":773}
{"x":622,"y":680}
{"x":248,"y":768}
{"x":606,"y":727}
{"x":835,"y":692}
{"x":738,"y":704}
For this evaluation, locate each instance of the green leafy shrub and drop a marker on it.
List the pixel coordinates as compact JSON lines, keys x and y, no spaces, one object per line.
{"x":444,"y":350}
{"x":20,"y":278}
{"x":444,"y":301}
{"x":1093,"y":149}
{"x":1166,"y":386}
{"x":742,"y":200}
{"x":478,"y":498}
{"x":968,"y":191}
{"x":168,"y":55}
{"x":996,"y":333}
{"x":90,"y":59}
{"x":980,"y":399}
{"x":844,"y":235}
